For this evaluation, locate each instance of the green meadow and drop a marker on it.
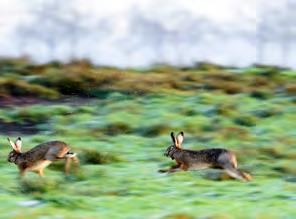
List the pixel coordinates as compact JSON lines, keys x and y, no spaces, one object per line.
{"x":119,"y":121}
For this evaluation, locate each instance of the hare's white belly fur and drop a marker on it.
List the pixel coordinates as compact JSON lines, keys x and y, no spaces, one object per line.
{"x":40,"y":165}
{"x":199,"y":166}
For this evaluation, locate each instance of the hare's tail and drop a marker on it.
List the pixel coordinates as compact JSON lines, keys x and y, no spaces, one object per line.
{"x":70,"y":154}
{"x":235,"y":173}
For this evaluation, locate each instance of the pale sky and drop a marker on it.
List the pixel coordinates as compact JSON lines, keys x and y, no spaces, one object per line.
{"x":231,"y":14}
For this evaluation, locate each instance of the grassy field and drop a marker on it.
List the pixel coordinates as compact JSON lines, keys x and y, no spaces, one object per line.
{"x":118,"y":121}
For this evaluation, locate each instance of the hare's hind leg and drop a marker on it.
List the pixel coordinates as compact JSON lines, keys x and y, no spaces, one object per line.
{"x":73,"y":158}
{"x":67,"y":166}
{"x":234,"y":173}
{"x":68,"y":157}
{"x":246,"y":176}
{"x":228,"y":162}
{"x":237,"y":174}
{"x":232,"y":170}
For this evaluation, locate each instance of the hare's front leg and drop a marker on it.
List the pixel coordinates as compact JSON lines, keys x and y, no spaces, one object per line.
{"x":184,"y":167}
{"x":40,"y":172}
{"x":178,"y":167}
{"x":172,"y":169}
{"x":175,"y":168}
{"x":75,"y":160}
{"x":22,"y":172}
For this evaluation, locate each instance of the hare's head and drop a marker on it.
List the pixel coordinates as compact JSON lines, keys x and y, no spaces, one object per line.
{"x":16,"y":146}
{"x":177,"y":142}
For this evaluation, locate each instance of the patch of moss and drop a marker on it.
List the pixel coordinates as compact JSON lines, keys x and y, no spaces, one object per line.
{"x":153,"y":130}
{"x":30,"y":185}
{"x":19,"y":88}
{"x":117,"y":128}
{"x":92,"y":156}
{"x":245,"y":120}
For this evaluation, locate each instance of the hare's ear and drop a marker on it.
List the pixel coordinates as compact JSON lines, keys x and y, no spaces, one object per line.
{"x":12,"y":144}
{"x":18,"y":143}
{"x":173,"y":138}
{"x":180,"y":138}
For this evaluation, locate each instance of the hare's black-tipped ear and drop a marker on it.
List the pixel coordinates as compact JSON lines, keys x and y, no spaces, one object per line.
{"x":180,"y":138}
{"x":18,"y":143}
{"x":173,"y":138}
{"x":12,"y":144}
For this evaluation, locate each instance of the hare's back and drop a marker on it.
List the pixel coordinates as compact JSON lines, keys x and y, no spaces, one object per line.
{"x":210,"y":156}
{"x":57,"y":148}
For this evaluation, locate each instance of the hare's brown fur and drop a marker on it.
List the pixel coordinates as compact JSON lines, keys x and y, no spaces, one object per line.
{"x":201,"y":159}
{"x":40,"y":156}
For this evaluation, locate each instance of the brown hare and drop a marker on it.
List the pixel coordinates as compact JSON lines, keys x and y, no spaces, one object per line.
{"x":39,"y":157}
{"x":201,"y":159}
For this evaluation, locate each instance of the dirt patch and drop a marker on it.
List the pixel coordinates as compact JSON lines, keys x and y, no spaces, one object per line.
{"x":25,"y":101}
{"x":12,"y":101}
{"x":13,"y":128}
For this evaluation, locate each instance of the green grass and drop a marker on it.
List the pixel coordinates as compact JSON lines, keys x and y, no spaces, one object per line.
{"x":120,"y":139}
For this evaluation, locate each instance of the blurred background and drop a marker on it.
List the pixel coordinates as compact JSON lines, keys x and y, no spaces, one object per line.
{"x":139,"y":33}
{"x":114,"y":78}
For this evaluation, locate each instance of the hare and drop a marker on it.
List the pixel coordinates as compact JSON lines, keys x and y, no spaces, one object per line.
{"x":202,"y":159}
{"x":39,"y":157}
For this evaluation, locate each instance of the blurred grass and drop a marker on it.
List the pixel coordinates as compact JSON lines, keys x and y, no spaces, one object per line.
{"x":51,"y":81}
{"x":121,"y":133}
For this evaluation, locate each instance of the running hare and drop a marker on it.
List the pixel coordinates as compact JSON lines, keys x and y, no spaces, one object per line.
{"x":201,"y":159}
{"x":40,"y":156}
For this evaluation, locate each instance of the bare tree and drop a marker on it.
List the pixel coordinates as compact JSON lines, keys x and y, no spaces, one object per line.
{"x":146,"y":32}
{"x":51,"y":23}
{"x":184,"y":38}
{"x":287,"y":30}
{"x":277,"y":25}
